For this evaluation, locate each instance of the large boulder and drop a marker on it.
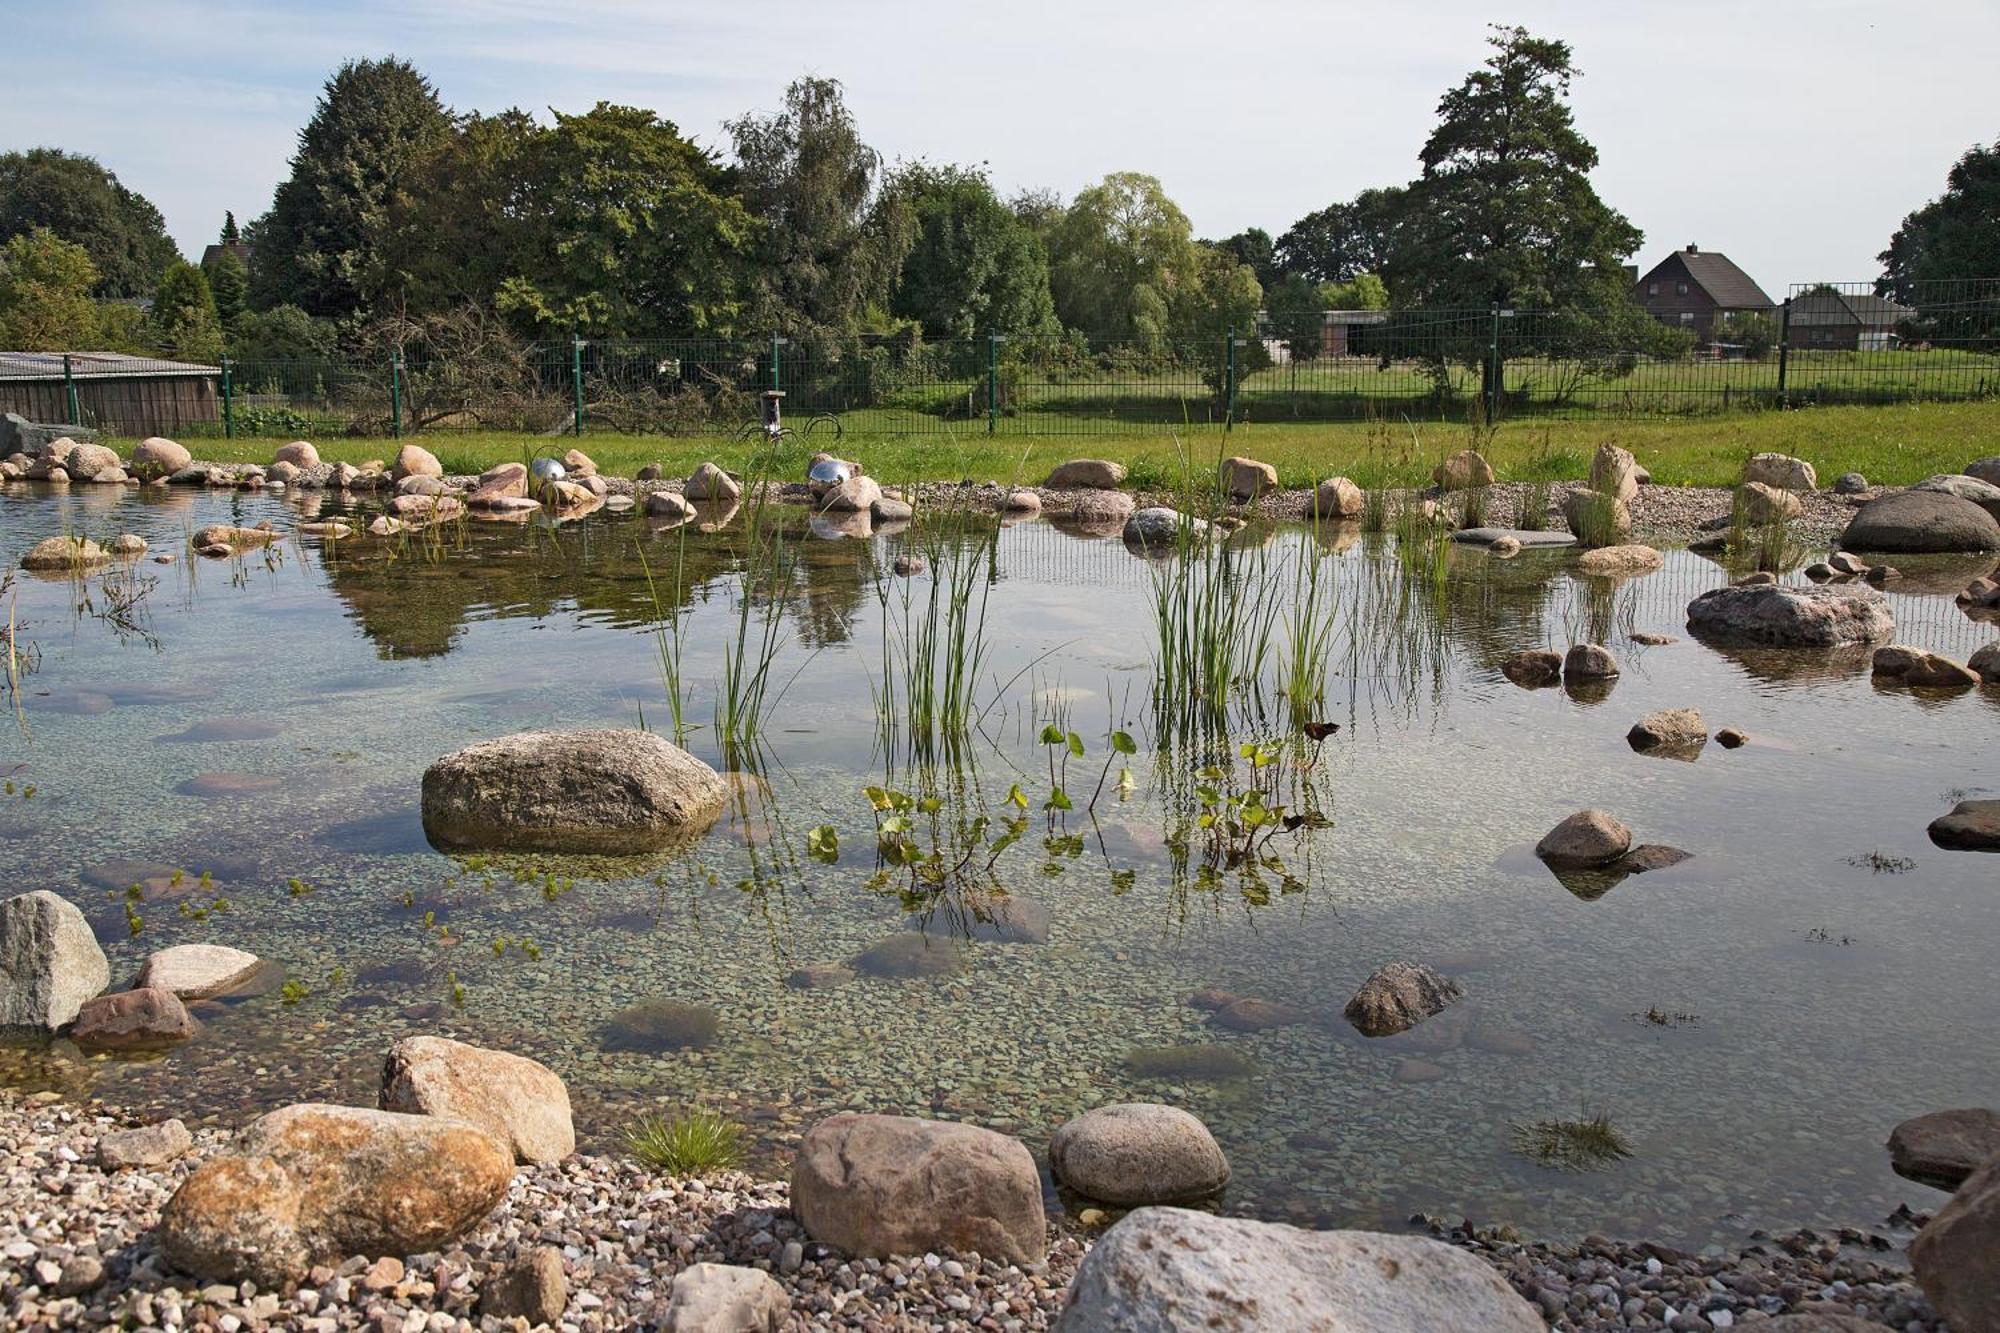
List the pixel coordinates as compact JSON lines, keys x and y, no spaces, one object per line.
{"x":709,"y":482}
{"x":669,"y":505}
{"x":233,"y":537}
{"x":1589,"y":661}
{"x":725,"y":1298}
{"x":86,"y":461}
{"x":1464,"y":471}
{"x":1957,"y":1254}
{"x":1614,"y":472}
{"x":1337,"y":497}
{"x":1780,"y":471}
{"x":1398,"y":996}
{"x":1102,"y":509}
{"x":601,"y":790}
{"x":49,"y":962}
{"x":18,"y":435}
{"x":1943,"y":1148}
{"x":156,"y":456}
{"x":579,"y":464}
{"x":880,"y":1185}
{"x":499,"y":486}
{"x":1158,"y":525}
{"x":1678,"y":733}
{"x":132,"y":1020}
{"x":1828,"y":616}
{"x":1986,"y":470}
{"x":199,"y":971}
{"x":856,"y":495}
{"x":519,"y":1101}
{"x":1246,"y":478}
{"x":1915,"y":522}
{"x":1086,"y":474}
{"x":63,"y":554}
{"x":1597,"y":519}
{"x":1972,"y":826}
{"x":1982,"y":493}
{"x":1762,"y":504}
{"x":1908,"y":665}
{"x":314,"y":1184}
{"x":413,"y":460}
{"x":1173,"y":1268}
{"x":301,"y":454}
{"x":1135,"y":1153}
{"x":1586,"y":838}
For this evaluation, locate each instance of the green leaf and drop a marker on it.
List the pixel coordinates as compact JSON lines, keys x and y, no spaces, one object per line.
{"x":876,"y":797}
{"x":1016,"y":797}
{"x":930,"y":805}
{"x":1059,"y":800}
{"x":1075,"y":745}
{"x":1122,"y":743}
{"x":1052,"y":734}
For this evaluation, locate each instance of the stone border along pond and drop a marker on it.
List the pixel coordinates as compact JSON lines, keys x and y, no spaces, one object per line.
{"x":459,"y":1200}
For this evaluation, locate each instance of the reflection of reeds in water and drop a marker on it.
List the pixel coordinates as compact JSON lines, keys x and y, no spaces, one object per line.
{"x":1215,"y":609}
{"x":934,"y":643}
{"x":1573,"y":1145}
{"x":667,"y":635}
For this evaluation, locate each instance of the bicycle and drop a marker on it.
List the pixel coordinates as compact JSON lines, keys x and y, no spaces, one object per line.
{"x":772,"y":427}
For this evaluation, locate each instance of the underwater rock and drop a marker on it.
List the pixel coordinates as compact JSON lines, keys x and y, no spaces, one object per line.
{"x":820,"y":976}
{"x":1195,"y":1060}
{"x":874,"y":1186}
{"x":223,"y":785}
{"x":218,"y":729}
{"x":132,"y":1020}
{"x":1252,"y":1015}
{"x":1004,"y":918}
{"x":911,"y":954}
{"x":1134,"y":1153}
{"x":660,"y":1025}
{"x":1538,"y":668}
{"x":1676,"y":733}
{"x":600,"y":790}
{"x":198,"y":971}
{"x":1397,"y":997}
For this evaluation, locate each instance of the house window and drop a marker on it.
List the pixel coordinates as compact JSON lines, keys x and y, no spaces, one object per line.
{"x":1680,"y":289}
{"x":1652,"y":289}
{"x":1687,"y":316}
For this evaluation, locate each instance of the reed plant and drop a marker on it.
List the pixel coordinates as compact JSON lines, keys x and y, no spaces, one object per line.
{"x":1534,"y":514}
{"x":934,"y":639}
{"x":749,"y":688}
{"x":1215,"y":615}
{"x":667,"y":634}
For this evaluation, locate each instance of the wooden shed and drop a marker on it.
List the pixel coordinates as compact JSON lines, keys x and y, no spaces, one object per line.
{"x":115,"y":393}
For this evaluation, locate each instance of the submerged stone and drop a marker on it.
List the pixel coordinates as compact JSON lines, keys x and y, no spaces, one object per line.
{"x":1198,"y":1060}
{"x":912,"y":954}
{"x":660,"y":1025}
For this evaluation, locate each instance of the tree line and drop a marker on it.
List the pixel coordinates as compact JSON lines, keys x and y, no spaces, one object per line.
{"x":401,"y":220}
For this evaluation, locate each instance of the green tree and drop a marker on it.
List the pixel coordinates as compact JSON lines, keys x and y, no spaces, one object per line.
{"x":45,"y":286}
{"x":230,"y":234}
{"x":376,"y":123}
{"x":1255,"y":248}
{"x":1504,"y":213}
{"x":1951,"y":241}
{"x":1120,"y":252}
{"x":1343,"y":241}
{"x":229,"y":283}
{"x":975,"y":267}
{"x":827,"y":260}
{"x":183,"y":319}
{"x":282,"y":333}
{"x":82,"y":203}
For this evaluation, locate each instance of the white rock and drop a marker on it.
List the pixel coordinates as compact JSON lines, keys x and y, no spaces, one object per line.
{"x":49,"y":962}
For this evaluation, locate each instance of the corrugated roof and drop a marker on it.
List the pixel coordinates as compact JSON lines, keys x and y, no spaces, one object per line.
{"x":115,"y":365}
{"x":1842,"y":309}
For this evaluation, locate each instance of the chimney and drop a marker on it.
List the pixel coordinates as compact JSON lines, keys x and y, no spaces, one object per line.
{"x":1693,"y":249}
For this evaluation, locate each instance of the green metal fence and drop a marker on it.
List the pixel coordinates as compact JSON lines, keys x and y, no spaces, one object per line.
{"x":1827,"y":344}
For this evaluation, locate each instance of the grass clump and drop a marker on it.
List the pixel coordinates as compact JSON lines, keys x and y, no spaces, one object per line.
{"x":1534,"y":515}
{"x":1472,"y":507}
{"x":1573,"y":1145}
{"x":1594,"y":519}
{"x":694,"y":1143}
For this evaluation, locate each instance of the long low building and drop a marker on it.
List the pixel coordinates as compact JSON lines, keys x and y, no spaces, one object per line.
{"x":115,"y":393}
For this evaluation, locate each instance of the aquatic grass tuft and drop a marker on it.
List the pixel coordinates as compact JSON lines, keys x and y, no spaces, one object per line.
{"x":695,"y":1143}
{"x":934,"y":638}
{"x":1472,"y":507}
{"x":1594,"y":520}
{"x":1534,"y":513}
{"x":1582,"y":1144}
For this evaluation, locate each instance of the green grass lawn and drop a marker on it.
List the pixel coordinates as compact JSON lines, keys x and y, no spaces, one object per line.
{"x":1896,"y":445}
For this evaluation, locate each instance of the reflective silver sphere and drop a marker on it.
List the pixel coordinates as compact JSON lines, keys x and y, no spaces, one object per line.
{"x":546,"y":471}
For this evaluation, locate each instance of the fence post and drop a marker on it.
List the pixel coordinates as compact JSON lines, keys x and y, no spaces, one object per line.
{"x":69,"y":392}
{"x":396,"y":393}
{"x":776,"y":342}
{"x":992,"y":382}
{"x":576,"y":381}
{"x":228,"y":402}
{"x":1784,"y":351}
{"x":1229,"y":381}
{"x":1493,"y":369}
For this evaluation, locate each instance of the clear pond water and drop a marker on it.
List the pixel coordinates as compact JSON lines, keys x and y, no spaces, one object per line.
{"x":1823,"y":969}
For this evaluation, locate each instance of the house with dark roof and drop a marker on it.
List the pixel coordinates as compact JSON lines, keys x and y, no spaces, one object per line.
{"x":1847,"y":321}
{"x":1701,"y":291}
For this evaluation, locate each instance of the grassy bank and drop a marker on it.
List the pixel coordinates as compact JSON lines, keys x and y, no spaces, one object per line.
{"x":1893,"y":445}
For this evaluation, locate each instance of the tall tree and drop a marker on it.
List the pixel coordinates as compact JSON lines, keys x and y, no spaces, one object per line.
{"x":1124,"y":264}
{"x":1255,"y":248}
{"x":45,"y":285}
{"x":376,"y":123}
{"x":1343,"y":240}
{"x":183,"y":322}
{"x":82,"y":203}
{"x":229,"y":283}
{"x":1504,"y":214}
{"x":827,"y":260}
{"x":975,"y":267}
{"x":230,"y":234}
{"x":1949,"y":242}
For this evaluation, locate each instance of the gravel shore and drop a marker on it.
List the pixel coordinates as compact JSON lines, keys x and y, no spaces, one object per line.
{"x":78,"y":1253}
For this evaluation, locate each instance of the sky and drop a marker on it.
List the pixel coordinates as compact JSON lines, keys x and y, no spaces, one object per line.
{"x":1791,"y":136}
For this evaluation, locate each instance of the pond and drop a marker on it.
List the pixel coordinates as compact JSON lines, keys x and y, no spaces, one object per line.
{"x":244,"y":739}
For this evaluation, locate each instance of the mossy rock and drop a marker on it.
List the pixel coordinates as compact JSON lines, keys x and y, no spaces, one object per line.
{"x":661,"y":1025}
